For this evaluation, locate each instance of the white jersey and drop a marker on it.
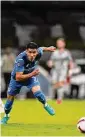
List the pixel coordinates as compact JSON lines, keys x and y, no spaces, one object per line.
{"x":61,"y":60}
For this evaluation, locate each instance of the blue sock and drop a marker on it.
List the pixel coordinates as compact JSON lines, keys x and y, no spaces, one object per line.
{"x":40,"y":96}
{"x":8,"y":106}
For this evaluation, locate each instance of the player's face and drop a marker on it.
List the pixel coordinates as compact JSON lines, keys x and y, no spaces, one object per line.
{"x":32,"y":53}
{"x":60,"y":44}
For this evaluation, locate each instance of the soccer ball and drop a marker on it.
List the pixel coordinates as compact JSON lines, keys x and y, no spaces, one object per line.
{"x":81,"y":124}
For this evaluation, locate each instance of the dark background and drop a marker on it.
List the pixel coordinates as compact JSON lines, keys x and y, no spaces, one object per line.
{"x":43,"y":14}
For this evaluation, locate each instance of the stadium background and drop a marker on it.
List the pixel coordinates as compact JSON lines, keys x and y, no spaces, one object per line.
{"x":43,"y":22}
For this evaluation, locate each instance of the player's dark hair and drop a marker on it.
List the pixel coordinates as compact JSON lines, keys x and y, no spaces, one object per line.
{"x":32,"y":45}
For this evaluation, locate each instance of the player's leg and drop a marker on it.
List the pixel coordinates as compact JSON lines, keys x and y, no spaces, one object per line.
{"x":34,"y":86}
{"x":55,"y":74}
{"x":7,"y":108}
{"x":13,"y":90}
{"x":41,"y":97}
{"x":60,"y":95}
{"x":61,"y":88}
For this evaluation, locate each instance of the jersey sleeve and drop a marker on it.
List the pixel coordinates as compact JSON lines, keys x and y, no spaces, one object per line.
{"x":20,"y":65}
{"x":70,"y":56}
{"x":52,"y":56}
{"x":40,"y":51}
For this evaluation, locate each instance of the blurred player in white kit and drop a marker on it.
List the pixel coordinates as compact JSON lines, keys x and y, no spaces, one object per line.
{"x":1,"y":106}
{"x":61,"y":62}
{"x":1,"y":102}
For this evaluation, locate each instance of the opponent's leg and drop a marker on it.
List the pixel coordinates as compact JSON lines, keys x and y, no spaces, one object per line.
{"x":7,"y":108}
{"x":61,"y":88}
{"x":41,"y":97}
{"x":60,"y":95}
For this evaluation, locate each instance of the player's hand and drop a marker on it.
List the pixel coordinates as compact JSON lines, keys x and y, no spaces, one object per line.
{"x":68,"y":79}
{"x":50,"y":64}
{"x":52,"y":48}
{"x":35,"y":72}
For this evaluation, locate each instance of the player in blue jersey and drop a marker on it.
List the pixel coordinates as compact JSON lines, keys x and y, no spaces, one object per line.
{"x":25,"y":73}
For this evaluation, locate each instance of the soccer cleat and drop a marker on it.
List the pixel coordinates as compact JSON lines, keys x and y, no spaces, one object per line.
{"x":4,"y":120}
{"x":49,"y":109}
{"x":59,"y":101}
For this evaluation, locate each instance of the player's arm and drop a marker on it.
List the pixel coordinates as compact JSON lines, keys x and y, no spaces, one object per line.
{"x":71,"y":62}
{"x":50,"y":62}
{"x":21,"y":77}
{"x":51,"y":48}
{"x":20,"y":69}
{"x":70,"y":65}
{"x":42,"y":49}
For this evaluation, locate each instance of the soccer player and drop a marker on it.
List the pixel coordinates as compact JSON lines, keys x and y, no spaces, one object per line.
{"x":61,"y":62}
{"x":25,"y":73}
{"x":1,"y":106}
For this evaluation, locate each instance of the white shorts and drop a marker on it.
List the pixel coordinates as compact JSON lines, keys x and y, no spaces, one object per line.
{"x":58,"y":75}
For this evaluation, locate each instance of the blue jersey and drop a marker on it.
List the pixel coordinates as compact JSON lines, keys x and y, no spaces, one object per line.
{"x":23,"y":64}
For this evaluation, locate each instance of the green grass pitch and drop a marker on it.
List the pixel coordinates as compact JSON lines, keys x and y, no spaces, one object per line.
{"x":28,"y":118}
